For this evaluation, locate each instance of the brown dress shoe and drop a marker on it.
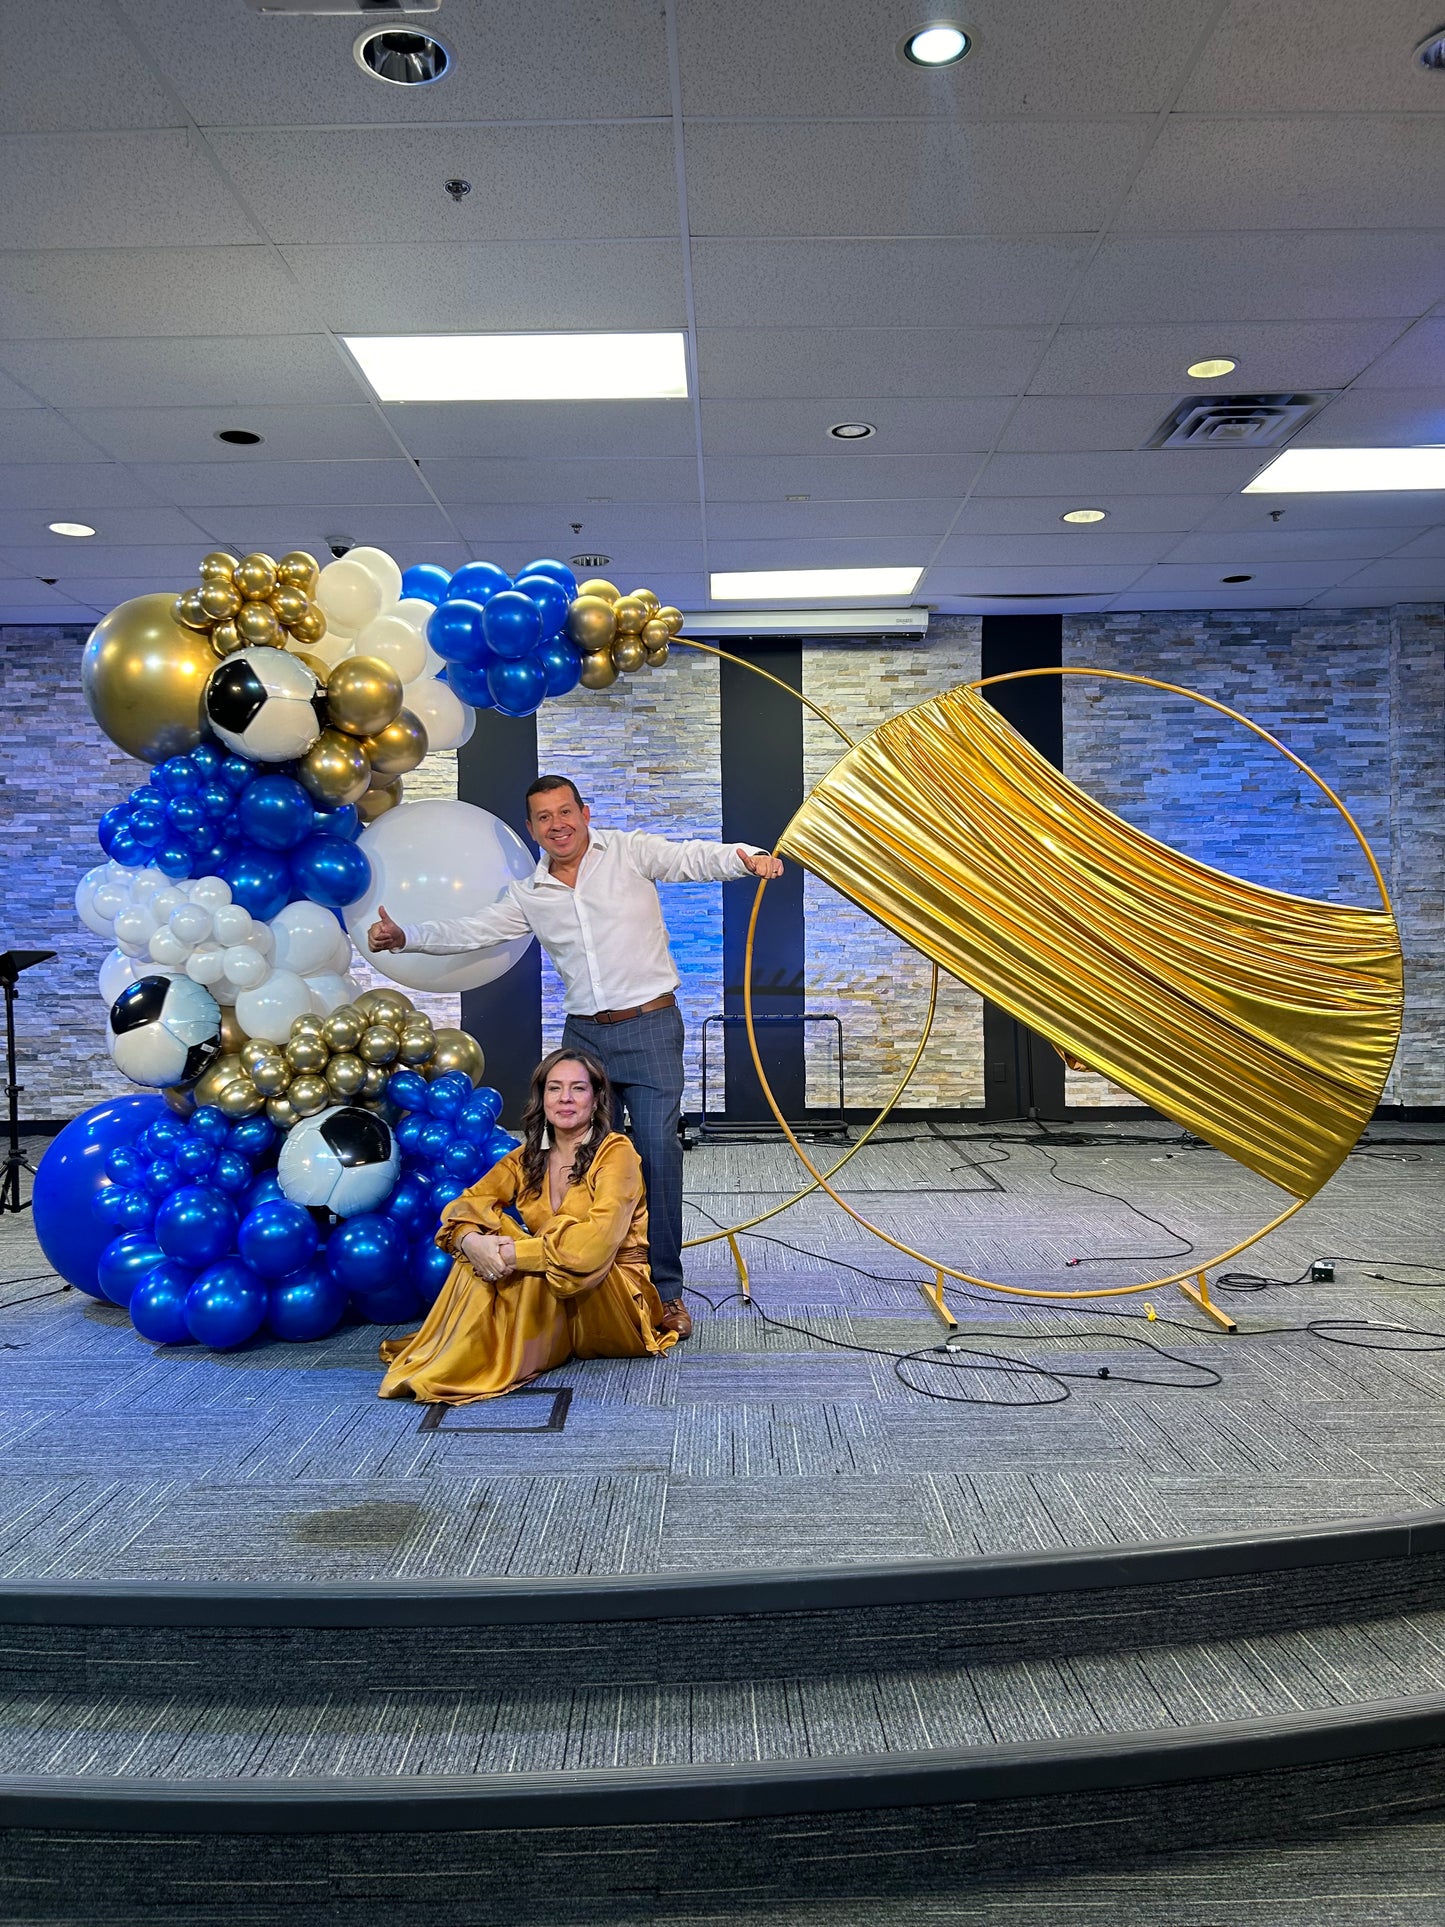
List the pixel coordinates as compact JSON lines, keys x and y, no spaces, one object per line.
{"x":675,"y":1318}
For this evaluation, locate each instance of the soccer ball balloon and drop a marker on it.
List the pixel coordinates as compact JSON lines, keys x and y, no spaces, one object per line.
{"x":344,"y":1160}
{"x":164,"y":1031}
{"x":265,"y":704}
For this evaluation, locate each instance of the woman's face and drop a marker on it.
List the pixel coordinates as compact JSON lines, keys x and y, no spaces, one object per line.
{"x":568,"y":1100}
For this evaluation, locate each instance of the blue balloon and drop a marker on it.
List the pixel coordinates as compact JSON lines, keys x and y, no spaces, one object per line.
{"x":226,"y":1305}
{"x":166,"y":1132}
{"x":266,"y":1187}
{"x":407,"y":1090}
{"x":455,"y":631}
{"x":518,"y":688}
{"x":173,"y":860}
{"x":197,"y":1225}
{"x":561,"y":664}
{"x":366,"y":1254}
{"x":551,"y":599}
{"x":207,"y":758}
{"x":158,"y":1304}
{"x":484,"y":1101}
{"x":408,"y":1132}
{"x":512,"y":624}
{"x":558,"y":571}
{"x":186,"y":814}
{"x":393,"y":1304}
{"x":126,"y":1164}
{"x":469,"y":682}
{"x":410,"y":1203}
{"x":251,"y":1136}
{"x":194,"y":1158}
{"x":230,"y":1172}
{"x":125,"y":1207}
{"x":428,"y":1270}
{"x":210,"y":1123}
{"x":116,"y":818}
{"x":161,"y":1178}
{"x":177,"y":776}
{"x":306,"y":1304}
{"x":344,"y":822}
{"x":276,"y":812}
{"x":148,"y":824}
{"x":426,"y":581}
{"x":331,"y":872}
{"x":479,"y":582}
{"x":446,"y":1094}
{"x":236,"y":772}
{"x":498,"y":1145}
{"x":443,"y":1191}
{"x":260,"y":882}
{"x":124,"y":1262}
{"x":434,"y":1137}
{"x":277,"y":1237}
{"x":216,"y":801}
{"x":465,"y":1161}
{"x":125,"y":849}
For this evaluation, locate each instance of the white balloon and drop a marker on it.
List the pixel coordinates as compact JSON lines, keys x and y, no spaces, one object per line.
{"x":164,"y":904}
{"x":349,"y":595}
{"x":191,"y":923}
{"x":244,"y":967}
{"x":437,"y":858}
{"x":166,"y":948}
{"x":435,"y":664}
{"x":206,"y":964}
{"x":383,"y":570}
{"x":119,"y":970}
{"x":329,"y":990}
{"x":439,"y":710}
{"x":270,"y":1010}
{"x":147,"y":883}
{"x":416,"y":614}
{"x":212,"y":893}
{"x":135,"y":925}
{"x":305,"y":937}
{"x":108,"y":900}
{"x":340,"y":958}
{"x":85,"y":909}
{"x":396,"y":644}
{"x":469,"y":728}
{"x":261,"y":939}
{"x":332,"y":648}
{"x":231,"y":924}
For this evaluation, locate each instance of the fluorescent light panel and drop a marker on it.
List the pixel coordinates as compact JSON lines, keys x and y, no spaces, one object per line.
{"x":550,"y":367}
{"x":791,"y":585}
{"x":1343,"y":471}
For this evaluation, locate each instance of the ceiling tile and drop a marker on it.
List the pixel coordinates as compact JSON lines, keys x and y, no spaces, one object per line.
{"x":1366,"y":511}
{"x":40,"y":435}
{"x":1044,"y":424}
{"x":80,"y":561}
{"x":22,"y":601}
{"x":80,"y":73}
{"x":1303,"y":578}
{"x":1145,"y":600}
{"x":1345,"y":597}
{"x":1329,"y":171}
{"x":1142,"y":514}
{"x":1082,"y":547}
{"x":852,"y":552}
{"x":221,"y":372}
{"x":1415,"y":361}
{"x":353,"y":432}
{"x":818,"y":521}
{"x":1092,"y":578}
{"x":614,"y":430}
{"x":741,"y":283}
{"x":50,"y":294}
{"x":454,"y":285}
{"x":574,"y":482}
{"x":1377,"y":418}
{"x":1145,"y":472}
{"x":1330,"y":55}
{"x":1340,"y":275}
{"x":390,"y":526}
{"x":637,"y":563}
{"x":61,"y":490}
{"x":1271,"y":355}
{"x":606,"y":527}
{"x":893,"y":178}
{"x":13,"y":396}
{"x":739,"y":478}
{"x":114,"y":190}
{"x":385,"y":185}
{"x":754,"y":58}
{"x":1419,"y":577}
{"x":1244,"y":548}
{"x":790,"y":364}
{"x":1429,"y":542}
{"x":101,"y":595}
{"x":139,"y":526}
{"x":284,"y":484}
{"x":904,"y":427}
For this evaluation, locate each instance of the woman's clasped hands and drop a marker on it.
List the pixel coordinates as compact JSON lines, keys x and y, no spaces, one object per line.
{"x":490,"y":1256}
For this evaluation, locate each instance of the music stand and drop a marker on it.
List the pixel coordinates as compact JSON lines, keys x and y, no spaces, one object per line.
{"x":12,"y":962}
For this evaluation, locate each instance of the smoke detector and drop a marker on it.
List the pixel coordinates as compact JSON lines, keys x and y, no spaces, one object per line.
{"x":1234,"y":421}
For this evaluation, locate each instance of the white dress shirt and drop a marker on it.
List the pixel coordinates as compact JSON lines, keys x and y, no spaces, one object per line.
{"x":605,"y":934}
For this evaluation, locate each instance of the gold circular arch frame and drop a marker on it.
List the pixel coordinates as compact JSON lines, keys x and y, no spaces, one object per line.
{"x":822,"y":1180}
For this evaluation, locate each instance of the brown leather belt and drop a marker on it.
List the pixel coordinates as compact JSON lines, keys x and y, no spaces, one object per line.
{"x":666,"y":1001}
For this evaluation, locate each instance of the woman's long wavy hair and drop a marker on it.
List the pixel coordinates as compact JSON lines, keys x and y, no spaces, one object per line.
{"x":534,"y":1120}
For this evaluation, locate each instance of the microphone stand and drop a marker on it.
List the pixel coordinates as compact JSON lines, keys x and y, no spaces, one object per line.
{"x":12,"y":962}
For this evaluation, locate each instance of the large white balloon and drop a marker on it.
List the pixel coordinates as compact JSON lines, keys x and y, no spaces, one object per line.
{"x":306,"y":938}
{"x":439,"y":710}
{"x":85,"y":909}
{"x":329,"y":990}
{"x":118,"y":971}
{"x":270,"y":1010}
{"x":436,"y":858}
{"x":396,"y":644}
{"x":383,"y":569}
{"x":349,"y":596}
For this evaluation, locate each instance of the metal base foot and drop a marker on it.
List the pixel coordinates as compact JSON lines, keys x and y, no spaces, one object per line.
{"x":933,"y":1297}
{"x":1199,"y":1295}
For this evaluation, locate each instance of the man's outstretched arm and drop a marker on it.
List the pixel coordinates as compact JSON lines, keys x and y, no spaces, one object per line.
{"x":699,"y":861}
{"x":449,"y":936}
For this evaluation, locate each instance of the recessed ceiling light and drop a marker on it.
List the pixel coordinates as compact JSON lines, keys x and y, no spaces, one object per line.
{"x":792,"y":585}
{"x":71,"y":528}
{"x":1431,"y":52}
{"x":238,"y":437}
{"x":852,"y":431}
{"x":542,"y":367}
{"x":1337,"y":471}
{"x":1084,"y":515}
{"x":1236,"y":578}
{"x":405,"y":59}
{"x":1211,"y":370}
{"x":940,"y":45}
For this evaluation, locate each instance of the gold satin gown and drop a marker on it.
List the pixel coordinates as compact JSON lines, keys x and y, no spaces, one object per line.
{"x":581,"y":1287}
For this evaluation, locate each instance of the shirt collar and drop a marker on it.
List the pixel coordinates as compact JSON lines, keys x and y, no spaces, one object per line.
{"x":596,"y":840}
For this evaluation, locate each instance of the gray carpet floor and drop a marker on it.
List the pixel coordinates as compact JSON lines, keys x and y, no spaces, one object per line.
{"x":755,"y":1445}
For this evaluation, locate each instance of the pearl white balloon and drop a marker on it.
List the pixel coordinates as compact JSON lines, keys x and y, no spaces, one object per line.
{"x":349,"y":596}
{"x":164,"y":904}
{"x":191,"y":923}
{"x":396,"y":644}
{"x":147,"y":883}
{"x":439,"y":710}
{"x":329,"y":991}
{"x":435,"y":664}
{"x":206,"y":964}
{"x":118,"y":971}
{"x":436,"y":858}
{"x":340,"y":959}
{"x":305,"y":938}
{"x":85,"y":909}
{"x":231,"y":924}
{"x":244,"y":967}
{"x":332,"y":648}
{"x":416,"y":614}
{"x":135,"y":925}
{"x":384,"y":571}
{"x":469,"y":728}
{"x":270,"y":1010}
{"x":212,"y":893}
{"x":108,"y":900}
{"x":166,"y":948}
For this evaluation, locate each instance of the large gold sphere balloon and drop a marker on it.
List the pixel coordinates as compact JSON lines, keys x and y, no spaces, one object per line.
{"x":599,"y":586}
{"x":255,"y":576}
{"x":307,"y":1052}
{"x":591,"y":623}
{"x":219,"y":566}
{"x":379,"y":1045}
{"x":219,"y":599}
{"x":648,"y":600}
{"x":345,"y":1075}
{"x":456,"y":1050}
{"x":180,"y":1099}
{"x":309,"y":626}
{"x":308,"y":1095}
{"x":630,"y":612}
{"x":241,"y":1099}
{"x":336,"y":769}
{"x":599,"y":671}
{"x":397,"y":748}
{"x":282,"y":1112}
{"x":342,"y":1029}
{"x":144,"y":675}
{"x":377,"y":801}
{"x":189,"y":610}
{"x":298,"y":570}
{"x":672,"y":617}
{"x":363,"y":695}
{"x":214,"y":1079}
{"x":256,"y":621}
{"x":629,"y":653}
{"x":370,"y":1004}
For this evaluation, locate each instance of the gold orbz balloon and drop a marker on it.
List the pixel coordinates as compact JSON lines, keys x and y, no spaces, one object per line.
{"x":630,"y":612}
{"x":240,"y":1099}
{"x":629,"y":653}
{"x":345,"y":1075}
{"x":397,"y":748}
{"x":144,"y":675}
{"x":308,"y":1095}
{"x":336,"y":769}
{"x":591,"y":623}
{"x":379,"y":1045}
{"x":457,"y":1050}
{"x":342,"y":1029}
{"x":648,"y":600}
{"x":378,"y":800}
{"x":255,"y":576}
{"x":363,"y":695}
{"x":307,"y":1052}
{"x":598,"y":670}
{"x":219,"y":566}
{"x":385,"y":1006}
{"x":282,"y":1112}
{"x":374,"y":1083}
{"x":598,"y":585}
{"x":298,"y":570}
{"x":657,"y":656}
{"x":256,"y":622}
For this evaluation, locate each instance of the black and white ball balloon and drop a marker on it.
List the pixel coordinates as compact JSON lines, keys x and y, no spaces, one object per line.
{"x":344,"y":1160}
{"x":164,"y":1031}
{"x":265,"y":704}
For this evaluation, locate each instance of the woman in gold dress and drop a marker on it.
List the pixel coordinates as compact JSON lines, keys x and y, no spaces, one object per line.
{"x":574,"y":1284}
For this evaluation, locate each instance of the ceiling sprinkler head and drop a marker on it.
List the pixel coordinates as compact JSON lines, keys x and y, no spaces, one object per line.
{"x":458,"y":189}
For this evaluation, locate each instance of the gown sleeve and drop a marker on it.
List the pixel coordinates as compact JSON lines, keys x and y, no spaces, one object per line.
{"x":481,"y":1207}
{"x":578,"y":1247}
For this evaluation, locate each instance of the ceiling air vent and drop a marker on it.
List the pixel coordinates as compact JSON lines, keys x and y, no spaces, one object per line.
{"x":597,"y":561}
{"x":318,"y":8}
{"x":1234,"y":421}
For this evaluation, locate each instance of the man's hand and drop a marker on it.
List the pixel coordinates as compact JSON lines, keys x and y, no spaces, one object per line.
{"x":384,"y":934}
{"x":761,"y":864}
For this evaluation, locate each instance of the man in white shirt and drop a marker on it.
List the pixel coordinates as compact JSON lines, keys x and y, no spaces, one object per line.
{"x":592,"y":905}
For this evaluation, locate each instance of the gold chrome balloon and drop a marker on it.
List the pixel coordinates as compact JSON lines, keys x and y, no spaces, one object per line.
{"x":363,"y":695}
{"x":397,"y":748}
{"x":309,"y":627}
{"x":392,"y":1007}
{"x":456,"y":1050}
{"x":214,"y":1079}
{"x":187,"y":609}
{"x":672,"y":617}
{"x":308,"y":1095}
{"x":255,"y":576}
{"x":379,"y":1045}
{"x":307,"y":1052}
{"x":591,"y":623}
{"x":345,"y":1075}
{"x":374,"y":1082}
{"x":226,"y":639}
{"x":377,"y":801}
{"x":307,"y":1024}
{"x":655,"y":634}
{"x":628,"y":653}
{"x":342,"y":1029}
{"x":298,"y":570}
{"x":273,"y":1076}
{"x":256,"y":621}
{"x":599,"y":671}
{"x":289,"y":603}
{"x":598,"y":585}
{"x":319,"y":669}
{"x":180,"y":1098}
{"x":219,"y":600}
{"x":219,"y":566}
{"x":241,"y":1099}
{"x":233,"y":1039}
{"x":282,"y":1112}
{"x":336,"y":769}
{"x":254,"y":1053}
{"x":144,"y":675}
{"x":630,"y":612}
{"x":657,"y":655}
{"x":418,"y":1041}
{"x":648,"y":600}
{"x":370,"y":1004}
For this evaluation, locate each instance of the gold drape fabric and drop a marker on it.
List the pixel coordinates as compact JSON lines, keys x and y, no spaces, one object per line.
{"x":581,"y":1289}
{"x":1266,"y":1023}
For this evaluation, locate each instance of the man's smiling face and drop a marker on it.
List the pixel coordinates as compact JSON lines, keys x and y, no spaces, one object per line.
{"x":558,"y":824}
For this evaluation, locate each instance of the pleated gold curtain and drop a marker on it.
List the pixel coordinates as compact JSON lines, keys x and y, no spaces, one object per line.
{"x":1265,"y":1022}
